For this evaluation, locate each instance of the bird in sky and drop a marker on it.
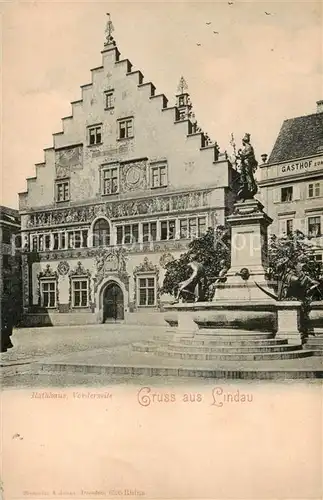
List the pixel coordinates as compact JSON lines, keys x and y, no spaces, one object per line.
{"x":268,"y":13}
{"x":230,"y":3}
{"x":208,"y":22}
{"x":198,"y":44}
{"x":216,"y":32}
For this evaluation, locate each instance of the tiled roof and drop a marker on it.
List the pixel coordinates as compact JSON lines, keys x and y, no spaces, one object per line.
{"x":299,"y":137}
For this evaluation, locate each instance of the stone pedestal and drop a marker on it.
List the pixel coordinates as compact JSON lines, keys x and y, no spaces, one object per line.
{"x":289,"y":321}
{"x":249,"y":224}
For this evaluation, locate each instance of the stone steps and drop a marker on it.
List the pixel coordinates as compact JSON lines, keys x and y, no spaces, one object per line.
{"x":255,"y":356}
{"x":221,"y":349}
{"x":232,"y":349}
{"x":251,"y":342}
{"x":315,"y":344}
{"x":217,"y":335}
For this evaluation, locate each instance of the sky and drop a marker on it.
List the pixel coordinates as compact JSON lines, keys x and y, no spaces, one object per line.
{"x":258,"y":71}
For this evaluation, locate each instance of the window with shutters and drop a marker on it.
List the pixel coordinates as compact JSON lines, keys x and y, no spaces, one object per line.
{"x":287,"y":194}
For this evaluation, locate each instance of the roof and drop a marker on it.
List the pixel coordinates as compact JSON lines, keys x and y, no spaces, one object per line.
{"x":299,"y":138}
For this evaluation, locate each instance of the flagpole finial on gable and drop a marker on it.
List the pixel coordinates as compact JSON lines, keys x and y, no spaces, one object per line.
{"x":108,"y":31}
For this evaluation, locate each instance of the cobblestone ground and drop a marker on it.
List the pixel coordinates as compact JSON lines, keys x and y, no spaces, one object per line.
{"x":33,"y":344}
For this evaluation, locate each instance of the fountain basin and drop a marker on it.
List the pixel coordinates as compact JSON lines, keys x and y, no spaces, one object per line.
{"x":258,"y":316}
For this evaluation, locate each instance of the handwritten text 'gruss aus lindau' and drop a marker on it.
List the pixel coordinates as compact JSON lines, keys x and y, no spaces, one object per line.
{"x":146,"y":396}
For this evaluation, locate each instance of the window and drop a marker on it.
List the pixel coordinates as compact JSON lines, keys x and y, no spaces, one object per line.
{"x":192,"y":227}
{"x":63,"y":191}
{"x":314,"y":226}
{"x":47,"y":241}
{"x":287,"y":193}
{"x":318,"y":257}
{"x":289,"y":226}
{"x":6,"y":235}
{"x":70,"y":240}
{"x":149,"y":231}
{"x":109,"y":99}
{"x":181,"y":100}
{"x":80,"y":292}
{"x":201,"y":226}
{"x":110,"y":180}
{"x":158,"y":176}
{"x":147,"y":292}
{"x":167,"y":230}
{"x":85,"y":234}
{"x":95,"y":135}
{"x":183,"y":228}
{"x":56,"y":241}
{"x":125,"y":128}
{"x":48,"y":293}
{"x":314,"y":189}
{"x":101,"y":233}
{"x":127,"y":234}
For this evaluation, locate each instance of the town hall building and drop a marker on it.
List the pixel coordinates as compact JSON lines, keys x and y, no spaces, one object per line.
{"x":128,"y":183}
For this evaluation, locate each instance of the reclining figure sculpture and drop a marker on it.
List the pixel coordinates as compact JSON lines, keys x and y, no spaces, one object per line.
{"x":192,"y":289}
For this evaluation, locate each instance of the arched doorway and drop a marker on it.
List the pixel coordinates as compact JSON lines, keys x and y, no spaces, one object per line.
{"x":113,"y":303}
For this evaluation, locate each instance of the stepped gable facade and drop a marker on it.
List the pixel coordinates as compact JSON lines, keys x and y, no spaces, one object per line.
{"x":128,"y":182}
{"x":291,"y":184}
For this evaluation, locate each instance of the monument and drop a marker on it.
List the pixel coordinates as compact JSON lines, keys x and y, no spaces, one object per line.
{"x":245,"y":313}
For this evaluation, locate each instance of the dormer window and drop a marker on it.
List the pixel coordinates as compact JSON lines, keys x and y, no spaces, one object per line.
{"x":95,"y":135}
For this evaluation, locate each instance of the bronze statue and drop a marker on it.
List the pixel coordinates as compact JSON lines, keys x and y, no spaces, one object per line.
{"x":248,"y":166}
{"x":221,"y":278}
{"x":294,"y":284}
{"x":192,"y":289}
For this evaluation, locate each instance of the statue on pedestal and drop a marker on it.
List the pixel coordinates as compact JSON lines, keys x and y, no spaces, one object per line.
{"x":192,"y":289}
{"x":248,"y":166}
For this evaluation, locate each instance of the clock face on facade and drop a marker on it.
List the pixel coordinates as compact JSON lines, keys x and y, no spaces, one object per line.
{"x":133,"y":176}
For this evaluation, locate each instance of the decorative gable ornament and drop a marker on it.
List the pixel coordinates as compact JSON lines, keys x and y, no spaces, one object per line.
{"x":80,"y":271}
{"x":146,"y":267}
{"x":47,"y":273}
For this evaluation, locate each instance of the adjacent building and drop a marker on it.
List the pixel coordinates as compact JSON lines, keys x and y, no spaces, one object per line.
{"x":10,"y":272}
{"x":128,"y":183}
{"x":291,"y":182}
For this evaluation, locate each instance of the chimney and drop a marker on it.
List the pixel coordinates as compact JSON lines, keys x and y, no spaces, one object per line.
{"x":319,"y":106}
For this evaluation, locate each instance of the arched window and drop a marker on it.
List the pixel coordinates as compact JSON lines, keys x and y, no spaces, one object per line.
{"x":101,"y":233}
